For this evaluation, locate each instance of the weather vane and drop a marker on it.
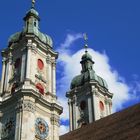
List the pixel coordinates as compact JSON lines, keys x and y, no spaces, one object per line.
{"x":33,"y":3}
{"x":85,"y":38}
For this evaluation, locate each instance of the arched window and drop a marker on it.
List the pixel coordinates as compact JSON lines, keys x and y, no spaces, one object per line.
{"x":17,"y":63}
{"x":15,"y":85}
{"x":35,"y":23}
{"x":40,"y":88}
{"x":40,"y":64}
{"x":83,"y":105}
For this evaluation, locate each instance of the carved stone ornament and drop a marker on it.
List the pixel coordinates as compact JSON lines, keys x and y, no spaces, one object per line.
{"x":48,"y":60}
{"x":41,"y":129}
{"x":55,"y":120}
{"x":26,"y":106}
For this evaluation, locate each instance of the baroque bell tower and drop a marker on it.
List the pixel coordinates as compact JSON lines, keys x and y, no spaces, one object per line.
{"x":88,"y":98}
{"x":29,"y":109}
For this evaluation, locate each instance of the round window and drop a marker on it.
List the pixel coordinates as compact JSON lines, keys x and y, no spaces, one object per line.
{"x":101,"y":105}
{"x":40,"y":64}
{"x":83,"y":105}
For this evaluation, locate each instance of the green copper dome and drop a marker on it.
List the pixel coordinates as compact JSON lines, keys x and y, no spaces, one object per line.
{"x":88,"y":76}
{"x":15,"y":37}
{"x":32,"y":28}
{"x":86,"y":56}
{"x":33,"y":11}
{"x":42,"y":37}
{"x":87,"y":73}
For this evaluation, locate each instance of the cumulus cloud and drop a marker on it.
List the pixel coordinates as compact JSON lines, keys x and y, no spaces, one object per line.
{"x":70,"y":39}
{"x":135,"y":88}
{"x":63,"y":129}
{"x":71,"y":67}
{"x":65,"y":114}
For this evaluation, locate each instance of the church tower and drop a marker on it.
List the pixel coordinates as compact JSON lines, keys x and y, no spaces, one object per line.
{"x":29,"y":109}
{"x":88,"y":98}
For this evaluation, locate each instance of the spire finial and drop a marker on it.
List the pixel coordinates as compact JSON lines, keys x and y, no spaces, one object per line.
{"x":33,"y":3}
{"x":85,"y":38}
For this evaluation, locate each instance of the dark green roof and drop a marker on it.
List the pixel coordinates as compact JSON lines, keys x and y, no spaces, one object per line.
{"x":14,"y":37}
{"x":31,"y":29}
{"x":86,"y":56}
{"x":88,"y":76}
{"x":32,"y":12}
{"x":43,"y":38}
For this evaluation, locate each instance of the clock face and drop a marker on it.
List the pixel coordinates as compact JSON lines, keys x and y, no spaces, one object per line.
{"x":41,"y":127}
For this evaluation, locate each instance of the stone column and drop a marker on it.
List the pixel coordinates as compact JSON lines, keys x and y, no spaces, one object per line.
{"x":96,"y":104}
{"x":49,"y":74}
{"x":18,"y":127}
{"x":6,"y":76}
{"x":70,"y":114}
{"x":55,"y":124}
{"x":90,"y":110}
{"x":23,"y":67}
{"x":28,"y":59}
{"x":25,"y":120}
{"x":9,"y":71}
{"x":74,"y":113}
{"x":54,"y":77}
{"x":110,"y":105}
{"x":1,"y":115}
{"x":3,"y":75}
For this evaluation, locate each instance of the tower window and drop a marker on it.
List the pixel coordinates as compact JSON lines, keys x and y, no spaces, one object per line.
{"x":15,"y":85}
{"x":40,"y":88}
{"x":40,"y":64}
{"x":83,"y":105}
{"x":101,"y":104}
{"x":35,"y":23}
{"x":17,"y":63}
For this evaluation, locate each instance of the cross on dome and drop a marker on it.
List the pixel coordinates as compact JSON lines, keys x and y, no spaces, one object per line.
{"x":33,"y":3}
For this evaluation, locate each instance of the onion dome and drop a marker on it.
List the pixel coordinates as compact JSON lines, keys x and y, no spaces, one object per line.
{"x":87,"y":73}
{"x":86,"y":56}
{"x":31,"y":27}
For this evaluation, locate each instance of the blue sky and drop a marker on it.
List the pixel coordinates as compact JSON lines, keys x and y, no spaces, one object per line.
{"x":113,"y":28}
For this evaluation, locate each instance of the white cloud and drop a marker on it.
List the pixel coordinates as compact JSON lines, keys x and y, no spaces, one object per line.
{"x":70,"y":39}
{"x":65,"y":114}
{"x":135,"y":88}
{"x":71,"y":67}
{"x":63,"y":129}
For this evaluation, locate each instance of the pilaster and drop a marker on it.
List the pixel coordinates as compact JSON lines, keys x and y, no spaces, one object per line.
{"x":28,"y":59}
{"x":96,"y":104}
{"x":3,"y":75}
{"x":70,"y":113}
{"x":54,"y":76}
{"x":49,"y":73}
{"x":55,"y":126}
{"x":23,"y":67}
